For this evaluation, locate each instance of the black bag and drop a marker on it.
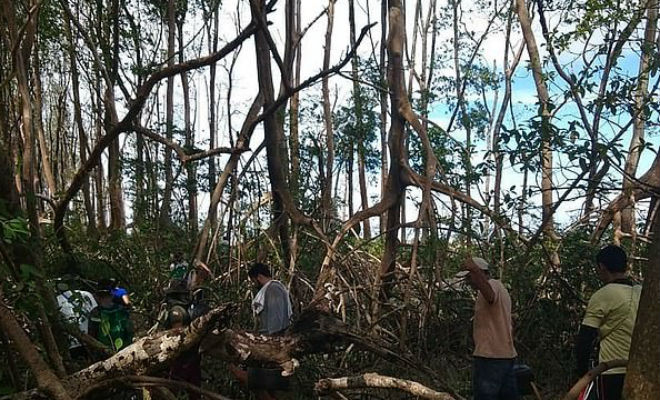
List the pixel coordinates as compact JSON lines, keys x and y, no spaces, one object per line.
{"x":267,"y":379}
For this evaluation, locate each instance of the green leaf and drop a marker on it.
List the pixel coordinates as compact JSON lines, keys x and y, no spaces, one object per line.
{"x":28,"y":271}
{"x":118,"y":343}
{"x":105,"y":327}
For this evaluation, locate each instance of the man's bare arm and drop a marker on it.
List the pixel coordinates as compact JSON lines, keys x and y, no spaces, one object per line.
{"x":480,"y":280}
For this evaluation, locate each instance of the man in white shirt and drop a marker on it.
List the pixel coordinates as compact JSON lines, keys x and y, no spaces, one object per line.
{"x":75,"y":307}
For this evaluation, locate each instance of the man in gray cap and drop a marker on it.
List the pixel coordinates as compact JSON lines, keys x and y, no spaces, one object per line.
{"x":494,"y":354}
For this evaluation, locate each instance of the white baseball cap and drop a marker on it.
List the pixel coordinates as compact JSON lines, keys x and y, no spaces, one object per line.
{"x":480,"y":262}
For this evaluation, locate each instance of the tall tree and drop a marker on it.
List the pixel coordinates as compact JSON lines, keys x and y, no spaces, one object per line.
{"x":274,"y":132}
{"x":191,"y":167}
{"x":326,"y":199}
{"x":166,"y":206}
{"x":294,"y":109}
{"x":38,"y":104}
{"x":639,"y":115}
{"x":545,"y":130}
{"x":83,"y":141}
{"x":395,"y":187}
{"x":110,"y":46}
{"x":382,"y":73}
{"x":360,"y":128}
{"x":212,"y":33}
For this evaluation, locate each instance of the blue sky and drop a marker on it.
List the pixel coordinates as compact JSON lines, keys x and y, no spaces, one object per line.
{"x":244,"y":82}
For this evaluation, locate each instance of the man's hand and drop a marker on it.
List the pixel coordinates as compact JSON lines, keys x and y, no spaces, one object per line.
{"x":470,"y":265}
{"x":479,"y":279}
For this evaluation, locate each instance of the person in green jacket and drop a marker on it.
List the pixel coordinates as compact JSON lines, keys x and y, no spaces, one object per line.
{"x":110,"y":322}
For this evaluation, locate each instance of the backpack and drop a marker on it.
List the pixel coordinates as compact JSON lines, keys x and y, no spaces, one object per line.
{"x":114,"y":327}
{"x":178,"y":271}
{"x":192,"y":303}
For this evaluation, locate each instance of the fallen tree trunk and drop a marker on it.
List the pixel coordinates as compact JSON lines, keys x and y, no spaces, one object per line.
{"x":644,"y":187}
{"x":147,"y":354}
{"x":373,"y":380}
{"x":313,"y":332}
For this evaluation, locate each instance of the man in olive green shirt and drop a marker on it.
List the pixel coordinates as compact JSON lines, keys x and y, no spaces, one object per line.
{"x":610,"y":317}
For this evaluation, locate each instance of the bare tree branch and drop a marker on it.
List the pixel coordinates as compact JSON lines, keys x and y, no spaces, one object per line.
{"x":126,"y":123}
{"x":373,"y":380}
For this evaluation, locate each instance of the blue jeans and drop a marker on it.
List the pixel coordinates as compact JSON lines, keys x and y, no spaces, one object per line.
{"x":494,"y":379}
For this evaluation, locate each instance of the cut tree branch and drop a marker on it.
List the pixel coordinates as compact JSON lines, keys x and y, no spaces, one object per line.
{"x":591,"y":375}
{"x":373,"y":380}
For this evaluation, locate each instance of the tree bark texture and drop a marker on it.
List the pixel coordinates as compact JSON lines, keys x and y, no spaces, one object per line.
{"x":274,"y":136}
{"x":395,"y":188}
{"x":544,"y":113}
{"x":374,"y":380}
{"x":110,"y":46}
{"x":640,"y":117}
{"x":643,"y":372}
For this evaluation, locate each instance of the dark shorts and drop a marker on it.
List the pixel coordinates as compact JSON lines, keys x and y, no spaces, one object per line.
{"x":494,"y":379}
{"x":610,"y":386}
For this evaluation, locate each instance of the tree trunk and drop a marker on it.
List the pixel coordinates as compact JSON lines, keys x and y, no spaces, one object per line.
{"x":544,"y":112}
{"x":614,"y":49}
{"x":395,"y":187}
{"x":497,"y":155}
{"x":373,"y":380}
{"x":243,"y":140}
{"x":191,"y":167}
{"x":350,"y":176}
{"x":43,"y":147}
{"x":274,"y":135}
{"x":382,"y":71}
{"x":213,"y":47}
{"x":21,"y":67}
{"x":412,"y":57}
{"x":326,"y":200}
{"x":294,"y":140}
{"x":643,"y":375}
{"x":98,"y":130}
{"x":82,"y":135}
{"x":45,"y":377}
{"x":639,"y":118}
{"x":360,"y":126}
{"x":166,"y":207}
{"x":425,"y":82}
{"x":465,"y":122}
{"x":117,"y":218}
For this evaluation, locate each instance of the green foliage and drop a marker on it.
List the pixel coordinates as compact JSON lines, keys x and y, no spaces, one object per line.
{"x":13,"y":229}
{"x":357,"y":131}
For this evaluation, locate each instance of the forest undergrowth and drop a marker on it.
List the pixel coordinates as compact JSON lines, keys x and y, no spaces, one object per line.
{"x":427,"y":318}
